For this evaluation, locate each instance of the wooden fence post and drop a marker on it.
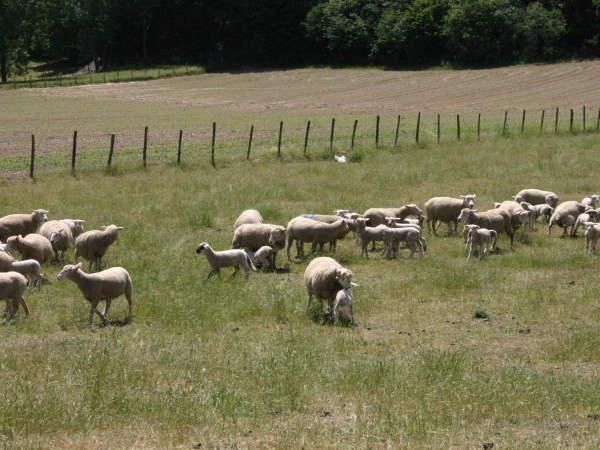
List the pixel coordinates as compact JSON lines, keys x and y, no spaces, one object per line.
{"x":556,"y":122}
{"x":279,"y":141}
{"x":377,"y":132}
{"x":542,"y":122}
{"x":571,"y":122}
{"x":179,"y":147}
{"x":584,"y":118}
{"x":478,"y":125}
{"x":397,"y":131}
{"x":331,"y":137}
{"x":306,"y":137}
{"x":504,"y":126}
{"x":145,"y":145}
{"x":356,"y":124}
{"x":212,"y":154}
{"x":598,"y":123}
{"x":458,"y":126}
{"x":110,"y":152}
{"x":438,"y":129}
{"x":74,"y":151}
{"x":250,"y":142}
{"x":32,"y":156}
{"x":418,"y":125}
{"x":523,"y":123}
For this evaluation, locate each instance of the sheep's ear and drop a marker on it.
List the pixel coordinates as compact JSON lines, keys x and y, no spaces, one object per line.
{"x":353,"y":283}
{"x":474,"y":195}
{"x":119,"y":228}
{"x":104,"y":227}
{"x":474,"y":210}
{"x":77,"y":266}
{"x":462,"y":196}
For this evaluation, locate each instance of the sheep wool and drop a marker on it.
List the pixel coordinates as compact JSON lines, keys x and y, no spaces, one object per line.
{"x":32,"y":246}
{"x":62,"y":238}
{"x":447,"y":210}
{"x":324,"y":277}
{"x":92,"y":245}
{"x":250,"y":216}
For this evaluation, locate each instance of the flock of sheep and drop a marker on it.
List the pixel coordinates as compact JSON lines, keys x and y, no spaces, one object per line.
{"x":256,"y":244}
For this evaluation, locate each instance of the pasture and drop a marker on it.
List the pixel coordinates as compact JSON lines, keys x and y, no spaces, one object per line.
{"x":447,"y":353}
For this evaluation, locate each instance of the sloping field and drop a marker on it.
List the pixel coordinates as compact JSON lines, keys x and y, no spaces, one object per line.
{"x":237,"y":100}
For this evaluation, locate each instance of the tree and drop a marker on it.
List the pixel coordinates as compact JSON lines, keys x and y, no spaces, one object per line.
{"x":16,"y":33}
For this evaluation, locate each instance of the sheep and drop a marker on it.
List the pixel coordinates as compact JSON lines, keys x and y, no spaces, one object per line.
{"x":21,"y":224}
{"x":31,"y":269}
{"x":228,"y":258}
{"x":60,"y":236}
{"x":263,"y":254}
{"x":76,"y":226}
{"x":592,"y":200}
{"x":481,"y":238}
{"x":92,"y":245}
{"x":495,"y":219}
{"x":32,"y":246}
{"x":518,"y":215}
{"x":344,"y":300}
{"x":396,"y":223}
{"x":101,"y":286}
{"x":369,"y":234}
{"x":447,"y":210}
{"x":328,"y":218}
{"x":410,"y":235}
{"x":565,"y":215}
{"x":591,"y":215}
{"x":324,"y":277}
{"x":528,"y":207}
{"x":6,"y":261}
{"x":377,"y":216}
{"x":12,"y":287}
{"x":346,"y":214}
{"x":255,"y":236}
{"x":537,"y":197}
{"x":309,"y":230}
{"x":592,"y":234}
{"x":544,"y":211}
{"x":250,"y":216}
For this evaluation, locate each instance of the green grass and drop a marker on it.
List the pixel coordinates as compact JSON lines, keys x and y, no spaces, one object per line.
{"x":234,"y":362}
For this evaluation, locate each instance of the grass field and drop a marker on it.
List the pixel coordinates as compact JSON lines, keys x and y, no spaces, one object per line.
{"x":240,"y":363}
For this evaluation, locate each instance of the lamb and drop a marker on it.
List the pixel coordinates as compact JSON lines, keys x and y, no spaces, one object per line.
{"x":447,"y":210}
{"x":591,"y":215}
{"x":565,"y":215}
{"x":537,"y":197}
{"x":592,"y":200}
{"x":250,"y":216}
{"x":410,"y":235}
{"x":324,"y":277}
{"x":76,"y":226}
{"x":544,"y":211}
{"x":255,"y":236}
{"x":495,"y":219}
{"x":344,"y":300}
{"x":395,"y":223}
{"x":528,"y":207}
{"x":518,"y":215}
{"x":264,"y":254}
{"x":92,"y":245}
{"x":227,"y":258}
{"x":31,"y":269}
{"x":369,"y":234}
{"x":309,"y":230}
{"x":102,"y":286}
{"x":21,"y":224}
{"x":6,"y":261}
{"x":12,"y":287}
{"x":377,"y":216}
{"x":32,"y":246}
{"x":60,"y":236}
{"x":481,"y":238}
{"x":592,"y":234}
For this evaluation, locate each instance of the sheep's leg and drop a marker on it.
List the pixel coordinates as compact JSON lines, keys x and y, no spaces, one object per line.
{"x":413,"y":249}
{"x":470,"y":251}
{"x":482,"y":251}
{"x":235,"y":270}
{"x":309,"y":300}
{"x":106,"y":308}
{"x":352,"y":314}
{"x":13,"y":306}
{"x":23,"y":303}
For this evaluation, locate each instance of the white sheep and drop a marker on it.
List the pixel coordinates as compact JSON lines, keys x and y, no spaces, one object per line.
{"x":481,"y":237}
{"x":369,"y":234}
{"x":32,"y":246}
{"x":101,"y":286}
{"x":537,"y":197}
{"x":518,"y":215}
{"x":498,"y":220}
{"x":92,"y":245}
{"x":592,"y":234}
{"x":324,"y":277}
{"x":410,"y":235}
{"x":346,"y":214}
{"x":238,"y":259}
{"x":12,"y":287}
{"x":591,"y":215}
{"x":528,"y":207}
{"x":328,"y":218}
{"x":30,"y":269}
{"x":565,"y":215}
{"x":21,"y":224}
{"x":377,"y":216}
{"x":256,"y":236}
{"x":397,"y":223}
{"x":76,"y":226}
{"x":344,"y":301}
{"x":60,"y":236}
{"x":592,"y":200}
{"x":302,"y":230}
{"x":6,"y":261}
{"x":447,"y":210}
{"x":544,"y":211}
{"x":264,"y":255}
{"x":250,"y":216}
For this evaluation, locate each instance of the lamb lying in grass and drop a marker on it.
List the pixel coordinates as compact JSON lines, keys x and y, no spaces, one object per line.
{"x":228,"y":258}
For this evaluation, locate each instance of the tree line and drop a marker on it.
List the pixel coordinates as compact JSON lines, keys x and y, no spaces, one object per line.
{"x":283,"y":33}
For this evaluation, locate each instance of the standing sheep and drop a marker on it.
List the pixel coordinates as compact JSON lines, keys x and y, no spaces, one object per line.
{"x":250,"y":216}
{"x":21,"y":224}
{"x":60,"y":236}
{"x":537,"y":197}
{"x":102,"y":286}
{"x":12,"y":287}
{"x":592,"y":233}
{"x":518,"y":215}
{"x":592,"y":200}
{"x":76,"y":226}
{"x":447,"y":210}
{"x":32,"y":246}
{"x":264,"y":255}
{"x":344,"y":300}
{"x":565,"y":215}
{"x":309,"y":230}
{"x":368,"y":234}
{"x":6,"y":261}
{"x":377,"y":216}
{"x":591,"y":215}
{"x":255,"y":236}
{"x":92,"y":245}
{"x":324,"y":277}
{"x":494,"y":219}
{"x":481,"y":238}
{"x":544,"y":211}
{"x":238,"y":259}
{"x":30,"y":269}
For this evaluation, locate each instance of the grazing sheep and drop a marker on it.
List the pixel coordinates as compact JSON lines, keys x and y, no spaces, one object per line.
{"x":592,"y":200}
{"x":32,"y":246}
{"x":377,"y":216}
{"x":76,"y":226}
{"x":6,"y":261}
{"x":396,"y":223}
{"x":447,"y":210}
{"x":303,"y":230}
{"x":102,"y":286}
{"x":591,"y":215}
{"x":30,"y":269}
{"x":250,"y":216}
{"x":255,"y":236}
{"x":344,"y":300}
{"x":92,"y":245}
{"x":565,"y":215}
{"x":518,"y":215}
{"x":324,"y":277}
{"x":544,"y":211}
{"x":495,"y":219}
{"x":329,"y":218}
{"x":537,"y":197}
{"x":228,"y":258}
{"x":12,"y":287}
{"x":60,"y":236}
{"x":481,"y":238}
{"x":21,"y":224}
{"x":592,"y":234}
{"x":410,"y":235}
{"x":369,"y":234}
{"x":264,"y":255}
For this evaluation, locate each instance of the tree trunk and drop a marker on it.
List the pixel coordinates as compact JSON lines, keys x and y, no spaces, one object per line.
{"x":144,"y":34}
{"x":3,"y":67}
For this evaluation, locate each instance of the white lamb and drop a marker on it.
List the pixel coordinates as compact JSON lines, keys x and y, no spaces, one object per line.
{"x":76,"y":226}
{"x":228,"y":258}
{"x":528,"y":207}
{"x":481,"y":237}
{"x":377,"y":216}
{"x":591,"y":215}
{"x":592,"y":234}
{"x":30,"y":269}
{"x":544,"y":211}
{"x":447,"y":210}
{"x":257,"y":235}
{"x":592,"y":200}
{"x":264,"y":255}
{"x":369,"y":234}
{"x":344,"y":301}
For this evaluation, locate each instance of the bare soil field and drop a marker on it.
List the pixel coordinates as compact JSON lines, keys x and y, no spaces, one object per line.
{"x":264,"y":98}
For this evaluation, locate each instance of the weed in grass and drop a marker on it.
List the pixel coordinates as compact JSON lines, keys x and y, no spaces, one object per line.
{"x":480,"y":313}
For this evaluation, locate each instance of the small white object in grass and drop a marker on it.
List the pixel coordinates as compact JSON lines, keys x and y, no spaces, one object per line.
{"x":341,"y":159}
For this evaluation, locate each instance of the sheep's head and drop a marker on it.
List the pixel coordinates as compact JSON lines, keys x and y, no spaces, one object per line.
{"x":78,"y":226}
{"x":472,"y":229}
{"x":344,"y":277}
{"x":112,"y":227}
{"x":202,"y":247}
{"x":55,"y":235}
{"x":41,"y":215}
{"x":552,"y":200}
{"x":414,"y":210}
{"x":468,"y":200}
{"x":522,"y":216}
{"x":276,"y":235}
{"x":13,"y":243}
{"x":68,"y":271}
{"x":466,"y":214}
{"x":341,"y":212}
{"x":518,"y":199}
{"x":497,"y":205}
